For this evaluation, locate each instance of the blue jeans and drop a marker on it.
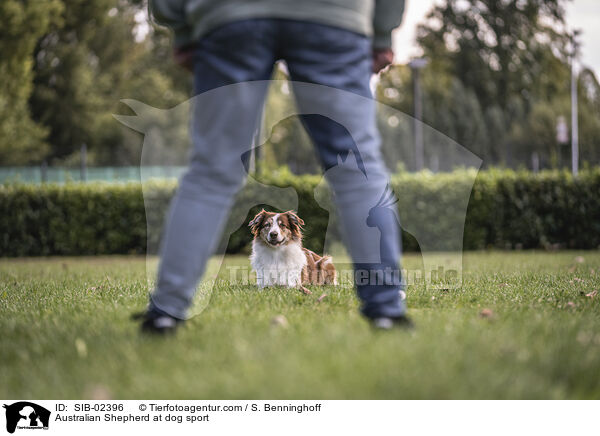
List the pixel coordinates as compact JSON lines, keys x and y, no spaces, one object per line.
{"x":316,"y":54}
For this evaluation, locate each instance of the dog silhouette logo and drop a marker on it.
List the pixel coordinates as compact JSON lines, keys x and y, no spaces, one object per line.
{"x":26,"y":415}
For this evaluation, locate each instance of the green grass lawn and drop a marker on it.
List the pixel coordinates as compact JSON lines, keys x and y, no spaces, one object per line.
{"x":66,"y":333}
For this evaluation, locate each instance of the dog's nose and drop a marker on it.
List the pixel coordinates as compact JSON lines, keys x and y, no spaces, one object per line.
{"x":273,"y":235}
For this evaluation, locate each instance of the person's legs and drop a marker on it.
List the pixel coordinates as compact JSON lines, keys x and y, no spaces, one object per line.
{"x":341,"y":122}
{"x":223,"y":121}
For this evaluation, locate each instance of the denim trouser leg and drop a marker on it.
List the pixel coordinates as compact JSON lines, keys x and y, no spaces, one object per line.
{"x":342,"y":60}
{"x":222,"y":125}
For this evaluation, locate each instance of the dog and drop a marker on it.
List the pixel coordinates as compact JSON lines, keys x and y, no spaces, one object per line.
{"x":278,"y":257}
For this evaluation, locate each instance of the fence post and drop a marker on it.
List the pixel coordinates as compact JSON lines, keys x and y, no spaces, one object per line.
{"x":535,"y":162}
{"x":83,"y":168}
{"x":44,"y":171}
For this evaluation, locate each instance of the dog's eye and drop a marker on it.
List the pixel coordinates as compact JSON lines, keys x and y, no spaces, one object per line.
{"x":267,"y":224}
{"x":282,"y":225}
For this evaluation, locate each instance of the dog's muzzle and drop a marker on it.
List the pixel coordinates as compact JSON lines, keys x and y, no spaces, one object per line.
{"x":273,"y":239}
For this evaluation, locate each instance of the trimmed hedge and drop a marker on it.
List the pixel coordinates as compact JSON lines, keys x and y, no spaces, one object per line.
{"x":506,"y":209}
{"x":72,"y":219}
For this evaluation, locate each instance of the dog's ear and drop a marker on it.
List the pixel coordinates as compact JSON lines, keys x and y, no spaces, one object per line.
{"x":256,"y":222}
{"x":293,"y":218}
{"x":295,"y":221}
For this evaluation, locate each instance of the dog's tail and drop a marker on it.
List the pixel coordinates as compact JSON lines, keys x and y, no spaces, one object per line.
{"x":325,"y":259}
{"x":327,"y":270}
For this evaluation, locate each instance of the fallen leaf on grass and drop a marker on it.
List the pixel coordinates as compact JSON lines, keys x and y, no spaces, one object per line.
{"x":81,"y":347}
{"x":579,"y":259}
{"x":98,"y":393}
{"x":592,"y":294}
{"x":279,"y":321}
{"x":570,"y":304}
{"x":486,"y":313}
{"x":321,"y":298}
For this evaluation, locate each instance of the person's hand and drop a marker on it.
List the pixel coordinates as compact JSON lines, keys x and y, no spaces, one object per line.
{"x":184,"y":56}
{"x":382,"y":57}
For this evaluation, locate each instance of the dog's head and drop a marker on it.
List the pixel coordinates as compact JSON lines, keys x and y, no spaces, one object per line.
{"x":275,"y":229}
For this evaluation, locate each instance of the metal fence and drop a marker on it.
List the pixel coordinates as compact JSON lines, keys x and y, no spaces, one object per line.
{"x":43,"y":174}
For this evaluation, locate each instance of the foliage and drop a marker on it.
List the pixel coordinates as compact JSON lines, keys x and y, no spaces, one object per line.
{"x":497,"y":80}
{"x":65,"y":65}
{"x":73,"y":219}
{"x":86,"y":65}
{"x":507,"y":209}
{"x":21,"y":139}
{"x":498,"y":49}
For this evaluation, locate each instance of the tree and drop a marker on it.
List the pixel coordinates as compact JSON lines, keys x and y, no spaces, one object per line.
{"x":497,"y":48}
{"x":23,"y":22}
{"x":498,"y":79}
{"x":88,"y":62}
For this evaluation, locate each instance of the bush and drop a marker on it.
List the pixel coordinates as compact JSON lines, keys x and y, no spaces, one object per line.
{"x":523,"y":210}
{"x":506,"y":209}
{"x":40,"y":220}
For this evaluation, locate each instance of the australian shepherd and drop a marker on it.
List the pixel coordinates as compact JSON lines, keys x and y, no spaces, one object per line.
{"x":278,"y":257}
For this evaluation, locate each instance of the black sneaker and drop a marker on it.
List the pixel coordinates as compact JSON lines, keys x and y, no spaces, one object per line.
{"x":156,"y":322}
{"x":385,"y":323}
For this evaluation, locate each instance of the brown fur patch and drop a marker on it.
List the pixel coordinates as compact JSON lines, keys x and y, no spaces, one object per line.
{"x":318,"y":270}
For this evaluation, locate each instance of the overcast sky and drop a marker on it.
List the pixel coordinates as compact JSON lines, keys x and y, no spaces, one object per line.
{"x":581,"y":14}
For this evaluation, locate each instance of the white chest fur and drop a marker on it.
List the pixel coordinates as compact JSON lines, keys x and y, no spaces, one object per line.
{"x":277,"y":265}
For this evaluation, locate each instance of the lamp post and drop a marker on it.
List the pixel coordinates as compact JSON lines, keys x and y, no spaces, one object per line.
{"x":415,"y":66}
{"x":574,"y":117}
{"x":562,"y":137}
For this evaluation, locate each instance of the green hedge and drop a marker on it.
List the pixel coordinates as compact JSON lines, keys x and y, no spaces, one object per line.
{"x":506,"y":209}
